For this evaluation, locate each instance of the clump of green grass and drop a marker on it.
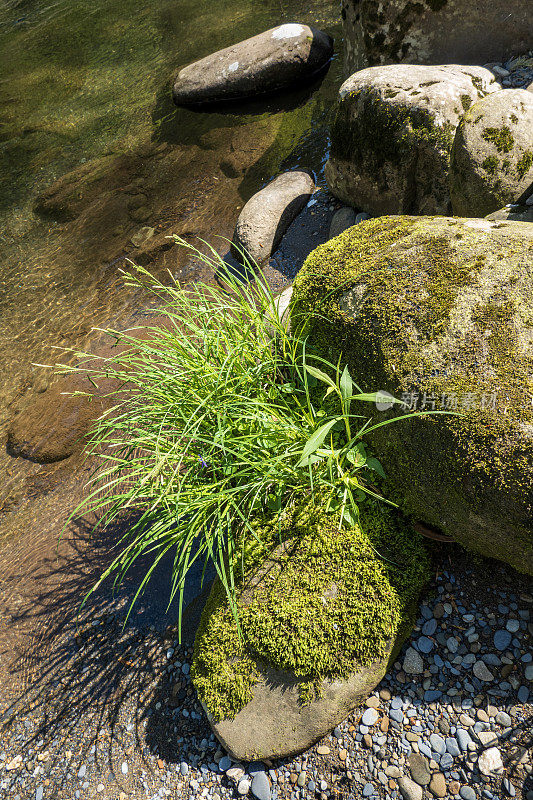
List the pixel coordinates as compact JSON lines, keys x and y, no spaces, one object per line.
{"x":220,"y":414}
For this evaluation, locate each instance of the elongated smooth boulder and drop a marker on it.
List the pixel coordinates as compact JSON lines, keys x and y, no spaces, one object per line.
{"x":393,"y":134}
{"x":322,"y":615}
{"x":268,"y":213}
{"x":492,"y":157}
{"x":439,"y":312}
{"x":276,"y":59}
{"x":434,"y":31}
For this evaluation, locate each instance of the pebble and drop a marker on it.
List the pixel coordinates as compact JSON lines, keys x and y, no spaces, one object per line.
{"x":482,"y":672}
{"x":260,"y":786}
{"x":368,"y":789}
{"x":370,"y":717}
{"x":490,"y":761}
{"x":502,"y":640}
{"x":425,"y":645}
{"x":419,"y":769}
{"x":508,"y":787}
{"x":243,"y":787}
{"x":437,"y":785}
{"x":437,"y":743}
{"x":467,"y":793}
{"x":409,"y":789}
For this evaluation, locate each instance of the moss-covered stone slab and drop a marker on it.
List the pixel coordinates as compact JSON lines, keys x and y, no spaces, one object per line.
{"x":433,"y":31}
{"x":393,"y":133}
{"x":439,"y":311}
{"x":492,"y":156}
{"x":321,"y":613}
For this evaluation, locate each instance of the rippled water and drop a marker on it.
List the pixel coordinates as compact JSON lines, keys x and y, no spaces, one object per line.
{"x":91,"y":151}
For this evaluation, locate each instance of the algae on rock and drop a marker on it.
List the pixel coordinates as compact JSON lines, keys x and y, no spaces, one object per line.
{"x":440,"y":310}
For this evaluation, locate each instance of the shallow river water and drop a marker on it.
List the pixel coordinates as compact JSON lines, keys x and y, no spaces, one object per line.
{"x":91,"y":152}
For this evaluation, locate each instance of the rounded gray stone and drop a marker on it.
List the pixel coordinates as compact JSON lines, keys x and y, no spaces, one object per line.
{"x":492,"y":157}
{"x":268,"y":213}
{"x":275,"y":59}
{"x":413,"y":663}
{"x":482,"y":672}
{"x":260,"y":786}
{"x":370,"y":717}
{"x":342,"y":219}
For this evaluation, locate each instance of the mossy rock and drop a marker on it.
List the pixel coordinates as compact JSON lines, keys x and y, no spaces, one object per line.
{"x":393,"y":133}
{"x":492,"y":157}
{"x":321,"y":612}
{"x":440,"y":310}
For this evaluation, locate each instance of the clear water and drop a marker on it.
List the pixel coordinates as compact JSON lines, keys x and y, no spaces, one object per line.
{"x":91,"y":151}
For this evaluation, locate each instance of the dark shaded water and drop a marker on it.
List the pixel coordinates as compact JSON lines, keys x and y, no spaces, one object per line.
{"x":91,"y":152}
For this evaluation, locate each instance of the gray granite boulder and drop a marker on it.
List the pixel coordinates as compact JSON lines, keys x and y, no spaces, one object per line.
{"x":434,"y":31}
{"x":275,"y":59}
{"x":268,"y":213}
{"x":492,"y":156}
{"x":393,"y":134}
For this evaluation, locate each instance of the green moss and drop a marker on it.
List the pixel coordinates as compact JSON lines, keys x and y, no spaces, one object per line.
{"x":385,"y":134}
{"x":524,"y":164}
{"x":501,"y":138}
{"x":490,"y":165}
{"x":466,"y":101}
{"x":314,"y":601}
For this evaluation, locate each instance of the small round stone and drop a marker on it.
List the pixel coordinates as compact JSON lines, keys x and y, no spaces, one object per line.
{"x":370,"y":717}
{"x":425,"y":645}
{"x":467,"y":793}
{"x":502,"y":640}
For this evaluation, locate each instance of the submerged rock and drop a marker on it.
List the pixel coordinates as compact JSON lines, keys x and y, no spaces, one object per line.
{"x":275,"y":59}
{"x":434,"y":32}
{"x":52,"y":426}
{"x":439,"y":312}
{"x":268,"y":213}
{"x":393,"y":134}
{"x":492,"y":157}
{"x":322,"y":616}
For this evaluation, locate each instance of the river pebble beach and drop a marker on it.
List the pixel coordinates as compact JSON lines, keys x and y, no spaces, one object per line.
{"x":111,"y":712}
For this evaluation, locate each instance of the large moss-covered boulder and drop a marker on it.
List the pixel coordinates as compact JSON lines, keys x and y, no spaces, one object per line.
{"x":434,"y":31}
{"x":439,"y":312}
{"x":393,"y":133}
{"x":322,"y":612}
{"x":492,"y":156}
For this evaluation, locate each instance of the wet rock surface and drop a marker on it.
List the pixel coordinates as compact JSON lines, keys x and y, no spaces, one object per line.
{"x":275,"y":59}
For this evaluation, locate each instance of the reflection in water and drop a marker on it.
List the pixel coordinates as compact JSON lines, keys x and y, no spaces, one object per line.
{"x":97,"y":166}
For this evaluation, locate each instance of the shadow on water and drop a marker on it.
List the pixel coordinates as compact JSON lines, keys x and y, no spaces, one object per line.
{"x":91,"y":663}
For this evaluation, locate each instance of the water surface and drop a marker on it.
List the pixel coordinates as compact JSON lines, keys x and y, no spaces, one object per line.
{"x":91,"y":152}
